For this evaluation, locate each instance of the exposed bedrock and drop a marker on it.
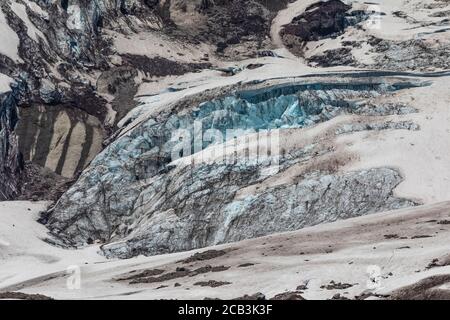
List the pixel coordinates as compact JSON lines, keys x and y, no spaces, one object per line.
{"x":61,"y":139}
{"x":11,"y":162}
{"x":140,"y":188}
{"x":414,"y":54}
{"x":324,"y":19}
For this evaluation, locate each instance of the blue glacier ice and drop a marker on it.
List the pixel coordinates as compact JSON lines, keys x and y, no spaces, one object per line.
{"x":133,"y":170}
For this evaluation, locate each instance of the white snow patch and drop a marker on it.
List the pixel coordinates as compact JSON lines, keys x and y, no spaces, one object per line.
{"x":5,"y":83}
{"x":8,"y":39}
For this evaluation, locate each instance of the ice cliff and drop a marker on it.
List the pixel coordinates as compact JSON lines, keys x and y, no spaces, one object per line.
{"x":170,"y":205}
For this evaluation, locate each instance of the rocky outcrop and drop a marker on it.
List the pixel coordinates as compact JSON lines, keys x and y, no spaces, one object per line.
{"x":319,"y":20}
{"x":355,"y":40}
{"x":48,"y":62}
{"x":334,"y":57}
{"x":76,"y":87}
{"x":324,"y":19}
{"x":237,"y":28}
{"x":56,"y":119}
{"x":11,"y":162}
{"x":414,"y":54}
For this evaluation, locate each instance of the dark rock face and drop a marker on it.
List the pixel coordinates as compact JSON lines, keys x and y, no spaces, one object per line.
{"x":41,"y":87}
{"x":403,"y":55}
{"x":167,"y":208}
{"x":11,"y":162}
{"x":119,"y":82}
{"x":430,"y":288}
{"x":288,"y":296}
{"x":335,"y":57}
{"x":237,"y":20}
{"x":413,"y":54}
{"x":320,"y":20}
{"x":23,"y":296}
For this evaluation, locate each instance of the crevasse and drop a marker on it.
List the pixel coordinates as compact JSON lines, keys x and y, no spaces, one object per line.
{"x":102,"y":204}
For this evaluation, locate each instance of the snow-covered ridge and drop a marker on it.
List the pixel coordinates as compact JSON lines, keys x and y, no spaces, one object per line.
{"x":369,"y":263}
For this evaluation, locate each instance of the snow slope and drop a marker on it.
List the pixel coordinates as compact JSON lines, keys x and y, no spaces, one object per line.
{"x":8,"y":39}
{"x":345,"y":251}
